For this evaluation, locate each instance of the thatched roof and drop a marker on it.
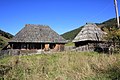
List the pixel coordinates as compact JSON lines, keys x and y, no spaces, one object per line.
{"x":38,"y":33}
{"x":90,"y":32}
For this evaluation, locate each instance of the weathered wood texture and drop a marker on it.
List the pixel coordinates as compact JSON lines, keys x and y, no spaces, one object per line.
{"x":38,"y":33}
{"x":37,"y":37}
{"x":90,"y":32}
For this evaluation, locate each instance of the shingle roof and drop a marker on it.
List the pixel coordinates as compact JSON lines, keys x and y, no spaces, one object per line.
{"x":38,"y":33}
{"x":90,"y":32}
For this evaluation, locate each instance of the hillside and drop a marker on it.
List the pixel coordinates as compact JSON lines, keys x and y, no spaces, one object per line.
{"x":4,"y":38}
{"x":6,"y":34}
{"x":3,"y":41}
{"x":109,"y":23}
{"x":71,"y":34}
{"x":61,"y":66}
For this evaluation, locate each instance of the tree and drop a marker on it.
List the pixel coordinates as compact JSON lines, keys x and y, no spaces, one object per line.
{"x":113,"y":37}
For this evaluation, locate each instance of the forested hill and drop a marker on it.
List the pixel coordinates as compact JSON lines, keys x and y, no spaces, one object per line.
{"x":70,"y":35}
{"x":4,"y":38}
{"x":5,"y":34}
{"x":109,"y":23}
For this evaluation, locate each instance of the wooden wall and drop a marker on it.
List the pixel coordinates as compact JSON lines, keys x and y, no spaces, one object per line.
{"x":45,"y":46}
{"x":59,"y":47}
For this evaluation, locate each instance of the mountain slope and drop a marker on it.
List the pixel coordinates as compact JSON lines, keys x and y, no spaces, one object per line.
{"x":4,"y":38}
{"x":3,"y":41}
{"x":71,"y":34}
{"x":6,"y":34}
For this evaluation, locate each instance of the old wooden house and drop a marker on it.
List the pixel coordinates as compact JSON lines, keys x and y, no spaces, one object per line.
{"x":37,"y":37}
{"x":89,"y":37}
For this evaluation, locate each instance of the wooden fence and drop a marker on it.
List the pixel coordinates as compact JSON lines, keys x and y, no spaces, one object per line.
{"x":84,"y":48}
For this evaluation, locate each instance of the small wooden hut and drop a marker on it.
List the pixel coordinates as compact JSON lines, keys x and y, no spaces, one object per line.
{"x":37,"y":37}
{"x":90,"y":35}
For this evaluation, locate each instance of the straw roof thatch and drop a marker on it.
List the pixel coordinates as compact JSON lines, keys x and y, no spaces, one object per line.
{"x":38,"y":33}
{"x":90,"y":32}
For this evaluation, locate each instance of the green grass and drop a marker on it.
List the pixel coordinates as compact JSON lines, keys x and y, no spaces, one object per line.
{"x":3,"y":41}
{"x":69,"y":44}
{"x":61,"y":66}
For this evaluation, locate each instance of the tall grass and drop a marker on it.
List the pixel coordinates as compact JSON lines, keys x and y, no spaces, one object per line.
{"x":62,"y":66}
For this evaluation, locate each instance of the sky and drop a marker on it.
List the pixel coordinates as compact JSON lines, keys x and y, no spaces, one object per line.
{"x":61,"y":15}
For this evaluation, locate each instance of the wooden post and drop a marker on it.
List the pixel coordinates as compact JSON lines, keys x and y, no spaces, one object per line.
{"x":88,"y":47}
{"x":41,"y":46}
{"x":33,"y":46}
{"x":12,"y":46}
{"x":58,"y":47}
{"x":117,"y":15}
{"x":28,"y":46}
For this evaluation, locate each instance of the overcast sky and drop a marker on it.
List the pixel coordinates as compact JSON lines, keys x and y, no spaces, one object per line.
{"x":60,"y":15}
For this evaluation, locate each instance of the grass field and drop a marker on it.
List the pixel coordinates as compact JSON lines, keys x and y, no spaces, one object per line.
{"x":61,"y":66}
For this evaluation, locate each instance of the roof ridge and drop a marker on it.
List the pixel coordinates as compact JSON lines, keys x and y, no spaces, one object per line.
{"x":36,"y":25}
{"x":38,"y":33}
{"x":90,"y":29}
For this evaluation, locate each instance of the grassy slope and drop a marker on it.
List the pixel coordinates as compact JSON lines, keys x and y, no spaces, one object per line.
{"x":61,"y":66}
{"x":109,"y":23}
{"x":6,"y":34}
{"x":3,"y":41}
{"x":4,"y":38}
